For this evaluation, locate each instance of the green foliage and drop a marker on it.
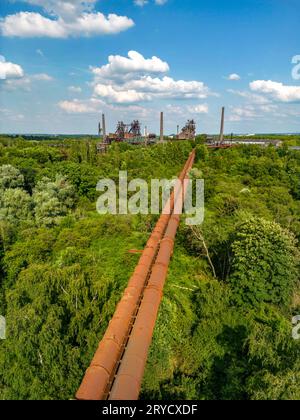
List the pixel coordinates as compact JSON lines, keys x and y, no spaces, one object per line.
{"x":263,"y":264}
{"x":201,"y":152}
{"x":10,"y":177}
{"x":52,"y":200}
{"x":63,"y":268}
{"x":15,"y":205}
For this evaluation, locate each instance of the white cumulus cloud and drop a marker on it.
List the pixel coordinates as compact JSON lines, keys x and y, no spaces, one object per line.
{"x":10,"y":70}
{"x":276,"y":90}
{"x":135,"y":63}
{"x":64,"y":18}
{"x":114,"y":95}
{"x":169,"y":88}
{"x":29,"y":24}
{"x":131,"y":79}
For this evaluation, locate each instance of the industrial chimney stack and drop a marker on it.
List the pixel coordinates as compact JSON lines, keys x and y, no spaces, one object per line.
{"x":161,"y":127}
{"x":103,"y":128}
{"x":222,"y":126}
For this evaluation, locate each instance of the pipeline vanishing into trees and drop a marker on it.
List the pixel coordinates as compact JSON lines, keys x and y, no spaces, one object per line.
{"x":117,"y":368}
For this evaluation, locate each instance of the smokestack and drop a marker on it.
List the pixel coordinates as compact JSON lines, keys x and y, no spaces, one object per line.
{"x":103,"y":128}
{"x":161,"y":127}
{"x":177,"y":130}
{"x":222,"y":126}
{"x":99,"y":129}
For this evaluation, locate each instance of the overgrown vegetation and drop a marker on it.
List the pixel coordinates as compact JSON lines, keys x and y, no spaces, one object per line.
{"x":224,"y":328}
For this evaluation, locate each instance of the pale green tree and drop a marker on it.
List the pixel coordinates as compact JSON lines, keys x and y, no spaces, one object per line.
{"x":53,"y":200}
{"x":10,"y":177}
{"x":15,"y":205}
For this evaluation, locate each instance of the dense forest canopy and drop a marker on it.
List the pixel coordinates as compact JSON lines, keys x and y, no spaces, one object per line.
{"x":224,"y":329}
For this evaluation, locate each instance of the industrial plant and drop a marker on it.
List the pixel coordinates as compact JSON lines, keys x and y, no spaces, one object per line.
{"x":132,"y":133}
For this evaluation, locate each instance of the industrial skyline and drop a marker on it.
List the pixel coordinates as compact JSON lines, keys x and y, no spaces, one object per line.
{"x":61,"y":67}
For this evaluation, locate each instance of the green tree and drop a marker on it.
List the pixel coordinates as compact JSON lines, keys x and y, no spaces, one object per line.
{"x":264,"y":263}
{"x":15,"y":205}
{"x":10,"y":177}
{"x":53,"y":200}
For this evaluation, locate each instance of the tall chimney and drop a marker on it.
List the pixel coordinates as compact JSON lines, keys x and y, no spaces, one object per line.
{"x":161,"y":127}
{"x":103,"y":128}
{"x":222,"y":126}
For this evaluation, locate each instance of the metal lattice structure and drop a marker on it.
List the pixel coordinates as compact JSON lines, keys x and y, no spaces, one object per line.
{"x":135,"y":129}
{"x":189,"y":131}
{"x":121,"y":130}
{"x":126,"y":131}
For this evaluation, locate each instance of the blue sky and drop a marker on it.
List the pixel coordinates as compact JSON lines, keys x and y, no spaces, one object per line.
{"x":56,"y":77}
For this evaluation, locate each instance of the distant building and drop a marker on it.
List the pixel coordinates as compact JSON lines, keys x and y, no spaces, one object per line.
{"x":259,"y":142}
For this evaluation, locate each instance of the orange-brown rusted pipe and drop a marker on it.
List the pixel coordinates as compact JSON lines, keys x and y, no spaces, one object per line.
{"x":95,"y":384}
{"x":127,"y":383}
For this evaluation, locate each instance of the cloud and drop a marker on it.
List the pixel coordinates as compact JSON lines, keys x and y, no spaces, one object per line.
{"x":169,"y":88}
{"x":198,"y":109}
{"x":10,"y":70}
{"x":25,"y":82}
{"x":234,"y":77}
{"x":42,"y":77}
{"x":126,"y":85}
{"x":242,"y":113}
{"x":130,"y":80}
{"x":277,"y":91}
{"x":184,"y":110}
{"x":29,"y":24}
{"x":142,"y":3}
{"x":250,"y":112}
{"x":119,"y":66}
{"x":76,"y":107}
{"x":11,"y":115}
{"x":251,"y":97}
{"x":65,"y":8}
{"x":75,"y":89}
{"x":259,"y":106}
{"x":112,"y":95}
